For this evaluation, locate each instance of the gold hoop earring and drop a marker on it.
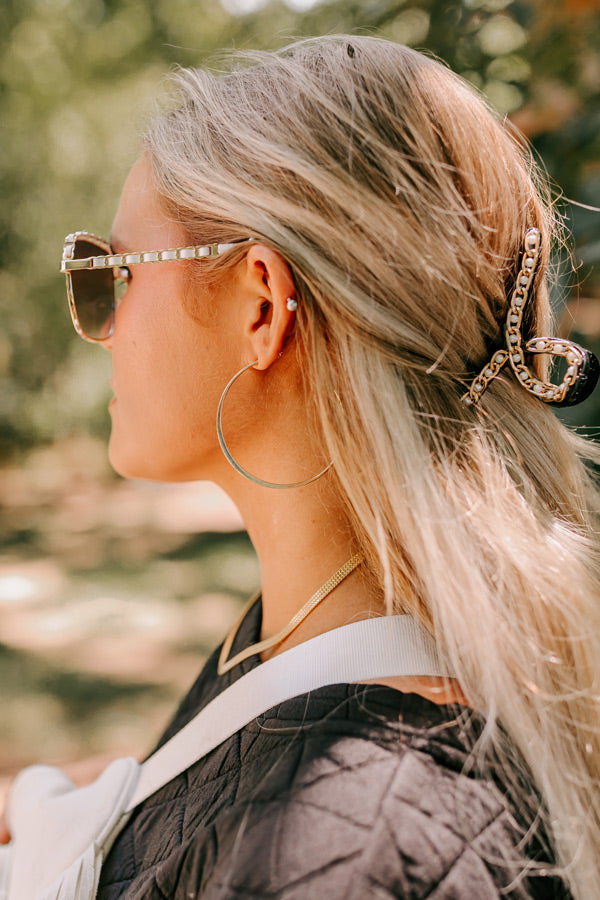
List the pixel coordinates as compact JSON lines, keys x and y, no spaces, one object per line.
{"x":233,"y":462}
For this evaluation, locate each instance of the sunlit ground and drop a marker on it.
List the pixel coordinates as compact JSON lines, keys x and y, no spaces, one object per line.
{"x":112,"y":593}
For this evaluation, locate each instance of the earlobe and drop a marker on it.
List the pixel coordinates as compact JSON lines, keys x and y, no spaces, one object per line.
{"x":271,"y":286}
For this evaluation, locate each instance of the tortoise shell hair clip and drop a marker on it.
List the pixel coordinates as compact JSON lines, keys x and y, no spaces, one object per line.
{"x":582,"y":371}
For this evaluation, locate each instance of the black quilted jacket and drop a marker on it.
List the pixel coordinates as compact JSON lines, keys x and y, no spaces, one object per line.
{"x":349,"y":792}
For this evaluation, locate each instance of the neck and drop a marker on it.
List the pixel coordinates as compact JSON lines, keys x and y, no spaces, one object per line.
{"x":302,"y":537}
{"x":301,"y":540}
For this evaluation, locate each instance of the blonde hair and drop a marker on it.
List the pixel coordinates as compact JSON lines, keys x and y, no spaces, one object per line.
{"x":400,"y":203}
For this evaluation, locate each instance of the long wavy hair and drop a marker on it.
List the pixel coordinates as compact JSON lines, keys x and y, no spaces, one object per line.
{"x":400,"y":202}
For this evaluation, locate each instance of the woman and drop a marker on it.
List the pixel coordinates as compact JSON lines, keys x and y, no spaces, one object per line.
{"x":372,"y":336}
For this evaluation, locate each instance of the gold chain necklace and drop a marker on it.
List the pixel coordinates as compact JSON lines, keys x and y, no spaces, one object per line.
{"x":225,"y":664}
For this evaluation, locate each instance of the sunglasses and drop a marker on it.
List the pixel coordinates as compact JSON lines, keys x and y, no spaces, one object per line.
{"x":97,"y":278}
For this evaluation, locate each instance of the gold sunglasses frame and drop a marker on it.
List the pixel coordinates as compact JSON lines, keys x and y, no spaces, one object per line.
{"x":119,"y":261}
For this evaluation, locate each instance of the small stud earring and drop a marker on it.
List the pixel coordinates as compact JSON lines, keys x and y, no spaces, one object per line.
{"x":291,"y":304}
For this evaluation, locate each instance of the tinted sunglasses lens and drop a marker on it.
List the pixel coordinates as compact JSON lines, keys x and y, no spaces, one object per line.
{"x":93,"y":293}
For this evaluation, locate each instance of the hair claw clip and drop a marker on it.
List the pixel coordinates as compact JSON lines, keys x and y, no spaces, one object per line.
{"x":583,"y":368}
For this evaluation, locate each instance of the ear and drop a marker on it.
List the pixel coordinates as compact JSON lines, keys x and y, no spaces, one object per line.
{"x":267,"y":284}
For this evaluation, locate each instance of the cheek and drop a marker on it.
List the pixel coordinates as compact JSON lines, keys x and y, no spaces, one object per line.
{"x":169,"y":375}
{"x":170,"y":369}
{"x":196,"y":371}
{"x":142,"y":331}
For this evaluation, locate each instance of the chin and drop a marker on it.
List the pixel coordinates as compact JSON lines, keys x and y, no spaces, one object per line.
{"x":126,"y":466}
{"x":146,"y":465}
{"x":130,"y":462}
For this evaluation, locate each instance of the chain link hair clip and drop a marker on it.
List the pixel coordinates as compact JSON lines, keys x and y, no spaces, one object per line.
{"x":583,"y":368}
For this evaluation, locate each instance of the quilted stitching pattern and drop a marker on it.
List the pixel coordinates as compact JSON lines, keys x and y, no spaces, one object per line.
{"x":351,"y":792}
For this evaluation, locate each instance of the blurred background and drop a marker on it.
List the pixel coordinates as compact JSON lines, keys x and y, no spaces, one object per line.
{"x":112,"y":593}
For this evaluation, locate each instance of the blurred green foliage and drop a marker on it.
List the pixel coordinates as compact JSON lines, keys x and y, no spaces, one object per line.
{"x":79,"y":77}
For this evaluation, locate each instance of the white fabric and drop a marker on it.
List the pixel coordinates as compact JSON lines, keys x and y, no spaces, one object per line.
{"x":61,"y":834}
{"x":373,"y":648}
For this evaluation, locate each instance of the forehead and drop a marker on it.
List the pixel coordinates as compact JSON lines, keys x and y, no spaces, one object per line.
{"x":141,"y":223}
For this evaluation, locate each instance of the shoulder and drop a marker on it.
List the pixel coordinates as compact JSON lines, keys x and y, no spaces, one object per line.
{"x":361,"y":818}
{"x":368,"y":808}
{"x":344,"y":793}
